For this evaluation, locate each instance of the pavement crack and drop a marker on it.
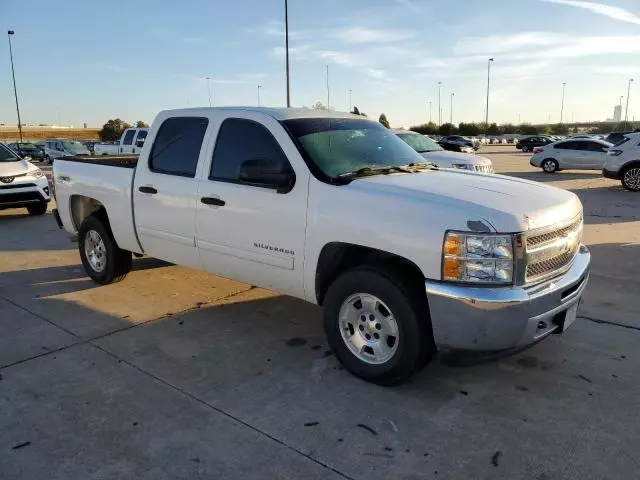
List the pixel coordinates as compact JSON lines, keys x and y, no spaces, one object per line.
{"x":224,"y":413}
{"x":609,"y":322}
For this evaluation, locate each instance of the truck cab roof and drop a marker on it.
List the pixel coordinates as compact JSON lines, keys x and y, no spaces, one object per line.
{"x":279,"y":114}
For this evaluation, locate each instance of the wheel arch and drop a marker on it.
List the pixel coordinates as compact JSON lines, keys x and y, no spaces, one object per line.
{"x":83,"y":206}
{"x":337,"y":257}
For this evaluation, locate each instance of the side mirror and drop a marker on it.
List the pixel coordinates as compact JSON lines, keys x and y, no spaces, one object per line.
{"x":140,"y":143}
{"x":27,"y":158}
{"x":605,"y":149}
{"x":267,"y":173}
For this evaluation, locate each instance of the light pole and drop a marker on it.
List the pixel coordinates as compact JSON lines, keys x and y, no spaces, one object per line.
{"x":486,"y":112}
{"x":350,"y":102}
{"x":430,"y":112}
{"x":328,"y":91}
{"x":15,"y":90}
{"x":259,"y":87}
{"x":209,"y":89}
{"x":439,"y":105}
{"x":564,"y":86}
{"x":451,"y":109}
{"x":286,"y":43}
{"x":626,"y":110}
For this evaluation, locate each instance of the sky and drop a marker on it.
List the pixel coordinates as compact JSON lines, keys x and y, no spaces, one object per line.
{"x":80,"y":61}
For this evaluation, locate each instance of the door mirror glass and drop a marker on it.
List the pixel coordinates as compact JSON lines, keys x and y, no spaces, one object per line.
{"x":140,"y":142}
{"x":268,"y":173}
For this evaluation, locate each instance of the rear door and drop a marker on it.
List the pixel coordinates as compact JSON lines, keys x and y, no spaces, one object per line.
{"x":568,"y":153}
{"x":127,"y":141}
{"x":165,"y":189}
{"x":139,"y":140}
{"x":596,"y":156}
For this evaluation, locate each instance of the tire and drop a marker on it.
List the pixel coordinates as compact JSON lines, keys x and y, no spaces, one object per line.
{"x":382,"y":297}
{"x":49,"y":160}
{"x":630,"y":178}
{"x":525,"y":149}
{"x":39,"y":208}
{"x":101,"y":257}
{"x":549,"y":165}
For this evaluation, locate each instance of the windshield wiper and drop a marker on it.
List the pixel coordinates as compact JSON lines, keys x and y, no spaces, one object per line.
{"x":421,"y":164}
{"x":385,"y":170}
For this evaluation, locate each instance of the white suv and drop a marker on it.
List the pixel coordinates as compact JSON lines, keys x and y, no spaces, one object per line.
{"x":22,"y":184}
{"x":623,"y":162}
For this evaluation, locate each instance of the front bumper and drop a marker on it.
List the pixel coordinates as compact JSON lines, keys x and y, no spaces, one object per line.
{"x":477,"y":319}
{"x":613,"y":174}
{"x":25,"y":192}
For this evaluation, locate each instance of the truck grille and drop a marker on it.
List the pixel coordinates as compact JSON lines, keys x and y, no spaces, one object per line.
{"x":549,"y":253}
{"x":484,"y":168}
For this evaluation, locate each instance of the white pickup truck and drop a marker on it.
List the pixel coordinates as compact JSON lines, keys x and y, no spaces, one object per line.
{"x":405,"y":258}
{"x":131,"y":142}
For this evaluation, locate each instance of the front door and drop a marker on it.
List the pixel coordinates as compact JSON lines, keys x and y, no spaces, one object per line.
{"x":127,"y":141}
{"x":165,"y":190}
{"x":250,"y":228}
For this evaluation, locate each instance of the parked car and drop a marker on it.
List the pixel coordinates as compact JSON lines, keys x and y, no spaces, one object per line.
{"x":572,"y":154}
{"x":457,"y":143}
{"x":527,"y":144}
{"x":404,"y":257}
{"x":26,"y":149}
{"x":131,"y":141}
{"x":22,"y":184}
{"x":433,"y":152}
{"x":616,"y":137}
{"x":623,"y":162}
{"x":90,"y":144}
{"x":60,"y":148}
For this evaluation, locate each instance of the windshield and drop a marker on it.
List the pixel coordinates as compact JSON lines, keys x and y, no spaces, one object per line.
{"x":7,"y":155}
{"x":27,"y":146}
{"x":74,"y":147}
{"x":343,"y":145}
{"x":420,"y":143}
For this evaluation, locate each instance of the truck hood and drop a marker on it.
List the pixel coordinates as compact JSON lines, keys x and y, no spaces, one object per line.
{"x":447,"y":159}
{"x":504,"y":204}
{"x":19,"y":167}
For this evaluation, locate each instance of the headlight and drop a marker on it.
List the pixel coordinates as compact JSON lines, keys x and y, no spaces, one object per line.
{"x":464,"y":166}
{"x":38,"y":173}
{"x":473,"y":258}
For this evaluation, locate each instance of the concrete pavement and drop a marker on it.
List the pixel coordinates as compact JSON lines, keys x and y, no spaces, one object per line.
{"x":176,"y":374}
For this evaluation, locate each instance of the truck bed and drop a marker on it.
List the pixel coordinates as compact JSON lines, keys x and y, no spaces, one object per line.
{"x":125,"y":161}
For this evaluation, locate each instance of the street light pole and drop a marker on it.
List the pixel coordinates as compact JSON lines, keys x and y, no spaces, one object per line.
{"x":350,"y":102}
{"x":439,"y":105}
{"x":626,"y":111}
{"x":15,"y":90}
{"x":451,"y":109}
{"x":328,"y":91}
{"x":259,"y":87}
{"x":486,"y":112}
{"x":430,"y":112}
{"x":209,"y":90}
{"x":286,"y":42}
{"x":564,"y":86}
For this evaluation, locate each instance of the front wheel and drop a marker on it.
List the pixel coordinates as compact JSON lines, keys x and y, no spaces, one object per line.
{"x":631,"y":179}
{"x":101,"y":257}
{"x":378,"y":329}
{"x":525,"y":149}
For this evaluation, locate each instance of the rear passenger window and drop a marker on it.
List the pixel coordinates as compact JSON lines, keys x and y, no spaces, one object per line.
{"x":177,"y":146}
{"x":128,"y":137}
{"x":142,"y":134}
{"x":240,"y":140}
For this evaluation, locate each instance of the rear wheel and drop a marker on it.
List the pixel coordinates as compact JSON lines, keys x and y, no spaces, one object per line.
{"x":377,"y":326}
{"x":549,"y":165}
{"x":101,"y":257}
{"x":39,"y":208}
{"x":525,"y":149}
{"x":631,"y":179}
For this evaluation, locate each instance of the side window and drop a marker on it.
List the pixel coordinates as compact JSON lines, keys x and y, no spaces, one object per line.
{"x":128,"y":137}
{"x":595,"y":147}
{"x":142,"y":134}
{"x":59,"y":146}
{"x":177,"y":146}
{"x":240,"y":141}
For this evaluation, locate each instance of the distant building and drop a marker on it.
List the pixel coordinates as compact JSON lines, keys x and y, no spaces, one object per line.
{"x":617,"y":113}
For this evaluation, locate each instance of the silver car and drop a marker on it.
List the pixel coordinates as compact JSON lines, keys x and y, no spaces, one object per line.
{"x":571,"y":154}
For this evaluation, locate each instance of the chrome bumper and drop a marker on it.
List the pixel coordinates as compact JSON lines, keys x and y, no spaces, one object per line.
{"x":494,"y":319}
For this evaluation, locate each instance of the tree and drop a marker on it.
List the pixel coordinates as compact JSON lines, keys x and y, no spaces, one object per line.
{"x":425,"y":129}
{"x":319,"y":106}
{"x":355,"y":110}
{"x":469,"y":129}
{"x":447,"y":129}
{"x":383,"y":120}
{"x":493,"y":129}
{"x":560,"y":129}
{"x":112,"y":130}
{"x":141,"y":124}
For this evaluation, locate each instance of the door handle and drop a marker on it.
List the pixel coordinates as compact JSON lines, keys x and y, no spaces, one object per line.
{"x":147,"y":189}
{"x":213,"y":201}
